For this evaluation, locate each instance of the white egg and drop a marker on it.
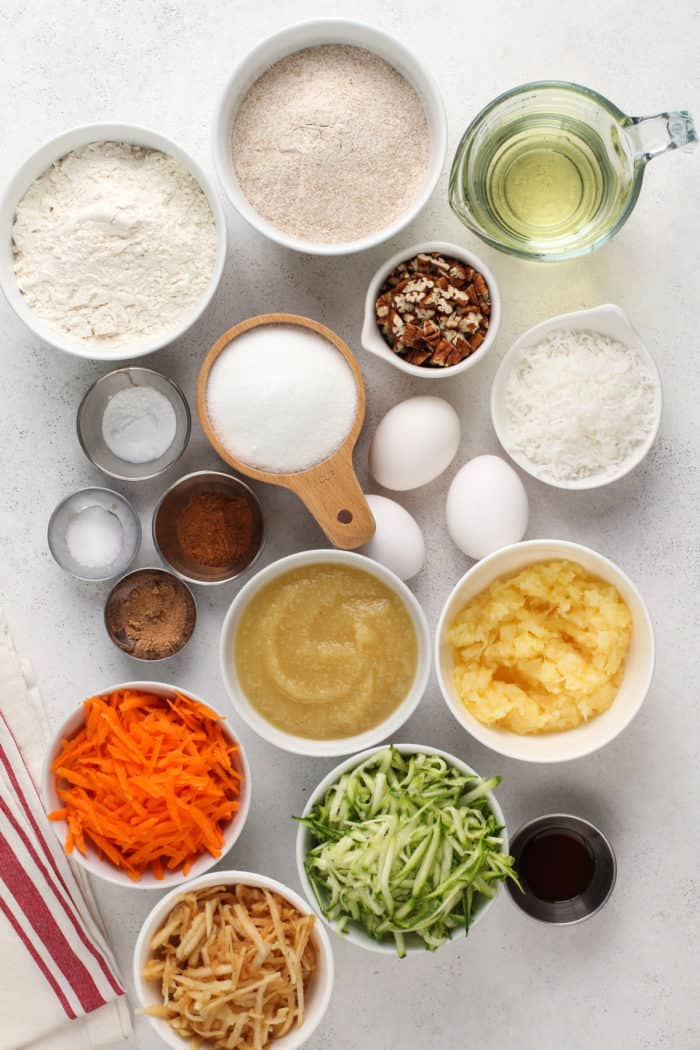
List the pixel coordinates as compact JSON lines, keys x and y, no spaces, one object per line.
{"x":415,"y":441}
{"x":486,"y":506}
{"x":398,"y":541}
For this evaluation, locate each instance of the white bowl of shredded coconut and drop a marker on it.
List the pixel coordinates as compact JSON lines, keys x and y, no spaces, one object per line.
{"x":576,"y":401}
{"x":329,"y":137}
{"x":113,"y":242}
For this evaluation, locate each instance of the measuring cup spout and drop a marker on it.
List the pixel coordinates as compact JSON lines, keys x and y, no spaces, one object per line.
{"x":651,"y":136}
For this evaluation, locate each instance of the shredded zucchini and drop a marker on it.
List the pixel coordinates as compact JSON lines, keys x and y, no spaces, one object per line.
{"x":406,"y":844}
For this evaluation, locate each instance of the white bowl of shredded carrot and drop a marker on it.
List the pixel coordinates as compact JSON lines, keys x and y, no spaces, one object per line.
{"x":146,"y":785}
{"x":233,"y":960}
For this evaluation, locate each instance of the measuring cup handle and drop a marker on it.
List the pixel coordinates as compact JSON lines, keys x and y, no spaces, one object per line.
{"x":651,"y":136}
{"x":332,"y":493}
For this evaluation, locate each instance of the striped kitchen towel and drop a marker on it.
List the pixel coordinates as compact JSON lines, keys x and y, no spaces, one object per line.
{"x":59,"y":983}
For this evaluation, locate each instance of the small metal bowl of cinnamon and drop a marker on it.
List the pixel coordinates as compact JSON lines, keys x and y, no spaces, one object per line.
{"x":150,"y":614}
{"x":209,"y":527}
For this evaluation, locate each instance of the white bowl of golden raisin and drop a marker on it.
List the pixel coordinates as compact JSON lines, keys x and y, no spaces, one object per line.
{"x":432,"y":310}
{"x":544,"y":651}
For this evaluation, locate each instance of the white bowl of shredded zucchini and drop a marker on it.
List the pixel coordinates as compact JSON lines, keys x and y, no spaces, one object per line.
{"x":403,"y":848}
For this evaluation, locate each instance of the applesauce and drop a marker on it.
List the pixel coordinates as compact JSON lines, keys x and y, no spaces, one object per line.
{"x":326,"y":651}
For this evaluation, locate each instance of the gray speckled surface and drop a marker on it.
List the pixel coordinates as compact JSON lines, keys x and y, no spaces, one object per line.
{"x":626,"y":979}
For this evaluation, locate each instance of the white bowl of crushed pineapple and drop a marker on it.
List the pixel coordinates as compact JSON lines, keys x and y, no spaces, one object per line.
{"x":544,"y":651}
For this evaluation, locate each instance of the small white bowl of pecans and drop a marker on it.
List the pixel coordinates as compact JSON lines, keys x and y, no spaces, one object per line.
{"x":432,"y":310}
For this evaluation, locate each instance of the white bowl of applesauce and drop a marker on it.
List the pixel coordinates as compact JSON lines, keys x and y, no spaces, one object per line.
{"x":325,"y":653}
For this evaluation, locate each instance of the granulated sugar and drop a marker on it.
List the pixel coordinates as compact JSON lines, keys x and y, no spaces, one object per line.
{"x":281,"y":398}
{"x":331,"y":144}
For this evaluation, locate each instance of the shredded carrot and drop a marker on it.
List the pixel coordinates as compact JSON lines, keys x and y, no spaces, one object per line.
{"x":149,"y":781}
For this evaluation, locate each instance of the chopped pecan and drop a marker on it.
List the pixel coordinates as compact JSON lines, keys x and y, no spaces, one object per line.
{"x":434,"y":310}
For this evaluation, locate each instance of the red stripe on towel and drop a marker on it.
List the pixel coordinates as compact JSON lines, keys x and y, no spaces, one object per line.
{"x":62,"y":901}
{"x":47,"y":929}
{"x":70,"y":1013}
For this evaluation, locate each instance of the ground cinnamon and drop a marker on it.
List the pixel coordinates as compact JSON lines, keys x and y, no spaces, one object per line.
{"x":218,"y":530}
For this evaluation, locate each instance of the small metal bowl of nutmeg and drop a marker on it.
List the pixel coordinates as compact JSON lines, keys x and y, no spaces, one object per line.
{"x":432,"y":310}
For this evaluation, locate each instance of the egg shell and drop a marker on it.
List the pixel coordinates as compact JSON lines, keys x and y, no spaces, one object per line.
{"x":486,"y":507}
{"x":414,"y":443}
{"x":398,"y":542}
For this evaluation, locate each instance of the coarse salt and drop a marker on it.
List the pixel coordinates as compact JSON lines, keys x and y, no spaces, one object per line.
{"x":579,"y":404}
{"x":94,"y":537}
{"x":281,"y":398}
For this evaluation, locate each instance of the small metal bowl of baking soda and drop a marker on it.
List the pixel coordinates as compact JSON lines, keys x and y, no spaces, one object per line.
{"x":133,"y":424}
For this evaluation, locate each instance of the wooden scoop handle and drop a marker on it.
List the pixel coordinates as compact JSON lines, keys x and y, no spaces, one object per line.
{"x":332,"y":493}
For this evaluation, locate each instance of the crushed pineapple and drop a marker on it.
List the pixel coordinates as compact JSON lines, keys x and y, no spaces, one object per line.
{"x":542,"y":650}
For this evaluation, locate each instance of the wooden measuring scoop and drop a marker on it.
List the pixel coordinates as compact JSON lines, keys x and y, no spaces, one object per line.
{"x":330,"y":489}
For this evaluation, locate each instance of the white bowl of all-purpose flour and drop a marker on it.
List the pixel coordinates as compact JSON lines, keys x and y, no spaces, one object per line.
{"x":330,"y":137}
{"x":112,"y":242}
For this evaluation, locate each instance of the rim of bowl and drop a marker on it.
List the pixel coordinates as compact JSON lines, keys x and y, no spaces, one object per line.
{"x":372,"y":340}
{"x":338,"y":745}
{"x":354,"y":934}
{"x":102,"y":869}
{"x":428,"y":93}
{"x":572,"y":818}
{"x":498,"y":740}
{"x":325,"y":971}
{"x":163,"y":572}
{"x":228,"y":478}
{"x":530,"y":338}
{"x":59,"y":146}
{"x":178,"y":394}
{"x":135,"y":518}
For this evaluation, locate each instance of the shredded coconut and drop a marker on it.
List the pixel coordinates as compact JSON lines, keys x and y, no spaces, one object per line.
{"x":331,"y":144}
{"x":281,"y":398}
{"x":579,"y":404}
{"x":114,"y":243}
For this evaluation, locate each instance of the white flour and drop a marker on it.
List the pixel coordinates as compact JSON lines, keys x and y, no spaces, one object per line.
{"x":281,"y":398}
{"x":114,"y":243}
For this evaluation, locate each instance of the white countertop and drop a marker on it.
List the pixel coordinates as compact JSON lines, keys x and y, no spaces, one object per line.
{"x":628,"y":977}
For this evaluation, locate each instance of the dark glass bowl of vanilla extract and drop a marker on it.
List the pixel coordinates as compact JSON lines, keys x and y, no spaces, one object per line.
{"x":566,"y":868}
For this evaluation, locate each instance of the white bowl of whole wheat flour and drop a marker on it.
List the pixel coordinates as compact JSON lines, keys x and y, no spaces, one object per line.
{"x":112,"y":242}
{"x":330,"y":137}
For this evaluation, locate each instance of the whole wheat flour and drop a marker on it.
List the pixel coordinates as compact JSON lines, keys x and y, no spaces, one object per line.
{"x":114,"y":243}
{"x":331,"y":144}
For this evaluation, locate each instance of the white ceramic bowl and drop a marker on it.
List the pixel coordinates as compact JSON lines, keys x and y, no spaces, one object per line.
{"x":103,"y":869}
{"x":609,"y":320}
{"x":639,"y":665}
{"x":312,"y":34}
{"x":36,"y":165}
{"x":317,"y":994}
{"x":301,"y":745}
{"x":372,"y":339}
{"x":355,"y":934}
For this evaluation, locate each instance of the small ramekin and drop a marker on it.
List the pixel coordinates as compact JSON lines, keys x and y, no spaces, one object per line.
{"x":312,"y":34}
{"x":638,"y":671}
{"x":355,"y":934}
{"x":608,"y":320}
{"x":92,"y":862}
{"x":372,"y":339}
{"x":299,"y":745}
{"x":35,"y":166}
{"x":317,"y":995}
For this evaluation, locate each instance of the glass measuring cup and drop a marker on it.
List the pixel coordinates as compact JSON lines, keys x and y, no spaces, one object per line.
{"x":552,"y":170}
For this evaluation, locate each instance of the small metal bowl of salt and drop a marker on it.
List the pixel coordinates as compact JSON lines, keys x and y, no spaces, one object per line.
{"x":133,"y":424}
{"x":94,"y":534}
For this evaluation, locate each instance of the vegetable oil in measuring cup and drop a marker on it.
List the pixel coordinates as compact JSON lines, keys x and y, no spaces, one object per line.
{"x":546,"y":180}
